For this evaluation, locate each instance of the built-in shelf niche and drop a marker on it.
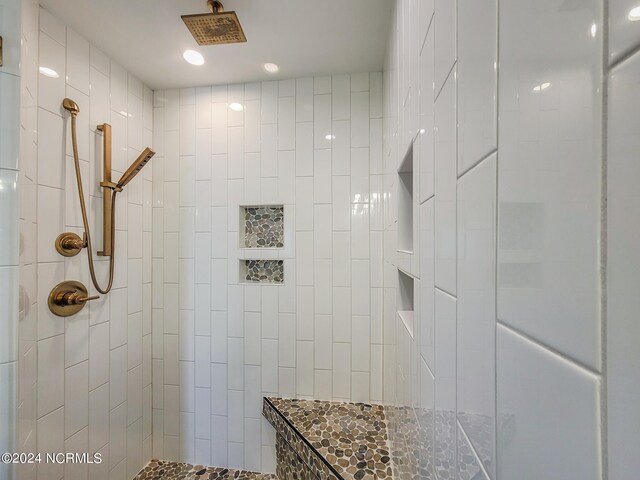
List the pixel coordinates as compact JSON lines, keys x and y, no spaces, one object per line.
{"x":262,"y":271}
{"x":405,"y":300}
{"x":405,"y":203}
{"x":262,"y":226}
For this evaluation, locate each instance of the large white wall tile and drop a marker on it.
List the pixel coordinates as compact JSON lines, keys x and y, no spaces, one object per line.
{"x":476,"y":306}
{"x":563,"y":429}
{"x":623,"y":264}
{"x":9,"y":218}
{"x":549,"y":170}
{"x":9,"y":121}
{"x":51,"y":82}
{"x":445,"y":381}
{"x":77,"y":62}
{"x":444,"y":22}
{"x":445,"y":186}
{"x":477,"y":81}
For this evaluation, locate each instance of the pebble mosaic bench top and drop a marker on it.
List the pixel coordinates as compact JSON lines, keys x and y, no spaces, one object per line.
{"x":161,"y":470}
{"x":344,"y":441}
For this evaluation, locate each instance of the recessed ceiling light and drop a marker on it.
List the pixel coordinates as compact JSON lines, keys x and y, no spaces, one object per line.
{"x":542,"y":86}
{"x":49,"y":72}
{"x":271,"y":67}
{"x":330,"y":137}
{"x":193,"y":57}
{"x":594,"y":30}
{"x":236,"y":107}
{"x":634,"y":14}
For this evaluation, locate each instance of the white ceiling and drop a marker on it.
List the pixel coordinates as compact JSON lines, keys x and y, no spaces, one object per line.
{"x":303,"y":37}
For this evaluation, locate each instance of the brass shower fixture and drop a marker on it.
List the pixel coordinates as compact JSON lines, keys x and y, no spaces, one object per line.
{"x":215,"y":28}
{"x":68,"y":298}
{"x":70,"y":294}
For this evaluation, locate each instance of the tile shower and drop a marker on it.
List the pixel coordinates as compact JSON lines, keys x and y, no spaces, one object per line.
{"x":267,"y":259}
{"x":376,"y":237}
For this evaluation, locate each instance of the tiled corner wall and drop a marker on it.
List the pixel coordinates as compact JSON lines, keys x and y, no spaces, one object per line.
{"x":84,"y":381}
{"x":10,"y":79}
{"x":313,"y":145}
{"x":503,"y":368}
{"x":27,"y":333}
{"x":623,"y":238}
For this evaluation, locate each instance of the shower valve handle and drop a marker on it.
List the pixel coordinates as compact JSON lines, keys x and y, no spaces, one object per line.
{"x":73,"y":298}
{"x":68,"y":298}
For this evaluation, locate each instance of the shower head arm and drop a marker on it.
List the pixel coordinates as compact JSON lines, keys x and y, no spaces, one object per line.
{"x":215,"y":6}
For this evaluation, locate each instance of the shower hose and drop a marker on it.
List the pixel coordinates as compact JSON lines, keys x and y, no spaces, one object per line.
{"x":85,"y":220}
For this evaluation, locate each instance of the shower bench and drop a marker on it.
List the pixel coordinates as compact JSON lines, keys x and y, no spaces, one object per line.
{"x":329,"y":440}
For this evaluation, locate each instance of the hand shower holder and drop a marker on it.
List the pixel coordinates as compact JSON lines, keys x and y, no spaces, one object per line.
{"x":108,"y":187}
{"x":69,"y":244}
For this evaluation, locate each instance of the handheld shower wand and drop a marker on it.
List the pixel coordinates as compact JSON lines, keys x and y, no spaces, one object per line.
{"x":135,"y":167}
{"x":110,"y":190}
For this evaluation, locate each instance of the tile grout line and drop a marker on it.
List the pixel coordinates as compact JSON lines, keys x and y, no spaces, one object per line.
{"x":603,"y":398}
{"x":446,"y":293}
{"x":476,"y":164}
{"x":473,"y":450}
{"x":496,"y":212}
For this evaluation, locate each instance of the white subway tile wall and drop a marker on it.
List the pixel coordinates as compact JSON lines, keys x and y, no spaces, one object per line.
{"x":18,"y":125}
{"x":507,"y":283}
{"x":500,"y":363}
{"x":84,"y":381}
{"x":307,"y":144}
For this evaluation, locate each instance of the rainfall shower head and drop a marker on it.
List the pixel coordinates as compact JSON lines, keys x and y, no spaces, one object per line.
{"x":215,"y":28}
{"x":135,"y":167}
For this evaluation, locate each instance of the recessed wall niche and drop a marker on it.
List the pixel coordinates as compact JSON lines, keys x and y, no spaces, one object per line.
{"x":405,"y":203}
{"x":262,"y":271}
{"x":262,"y":226}
{"x":405,"y":300}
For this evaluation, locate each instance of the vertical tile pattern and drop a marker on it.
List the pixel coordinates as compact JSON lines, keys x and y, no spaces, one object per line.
{"x":84,"y":381}
{"x":328,"y":149}
{"x":507,"y":235}
{"x":25,"y":309}
{"x":309,"y":145}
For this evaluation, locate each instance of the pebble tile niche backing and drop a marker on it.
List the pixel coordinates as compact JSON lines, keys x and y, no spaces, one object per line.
{"x":264,"y":271}
{"x":263,"y":227}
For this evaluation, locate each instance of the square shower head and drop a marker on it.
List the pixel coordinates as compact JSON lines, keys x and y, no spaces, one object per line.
{"x":215,"y":28}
